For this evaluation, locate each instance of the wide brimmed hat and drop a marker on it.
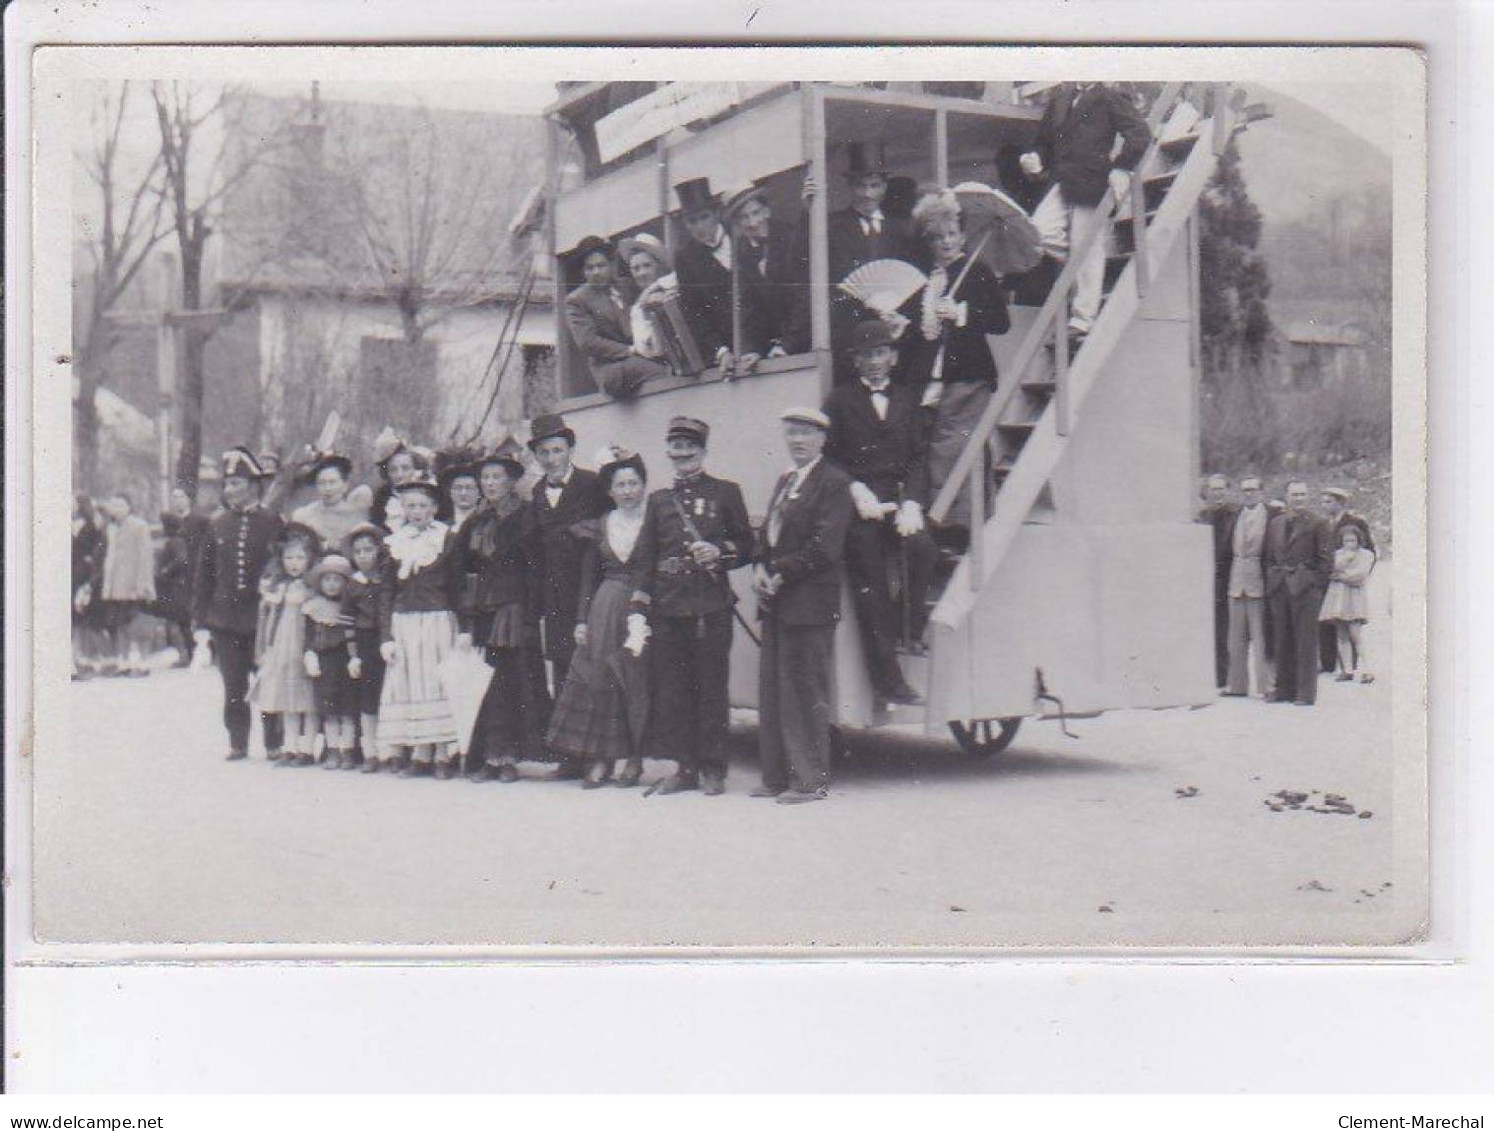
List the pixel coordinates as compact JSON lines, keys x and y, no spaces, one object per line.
{"x":243,"y":463}
{"x":425,"y":484}
{"x":591,"y":244}
{"x":695,"y":195}
{"x":863,"y":159}
{"x":388,"y":444}
{"x":548,"y":425}
{"x":629,"y":246}
{"x":735,"y":197}
{"x":688,"y":428}
{"x":362,"y":530}
{"x":332,"y":563}
{"x":804,"y":414}
{"x":870,"y":335}
{"x":510,"y":463}
{"x":320,"y":460}
{"x":608,"y":471}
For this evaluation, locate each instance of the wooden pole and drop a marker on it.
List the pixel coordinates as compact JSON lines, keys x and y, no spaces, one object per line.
{"x":815,"y":158}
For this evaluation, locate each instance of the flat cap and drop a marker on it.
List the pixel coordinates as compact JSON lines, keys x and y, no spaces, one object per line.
{"x":802,"y":414}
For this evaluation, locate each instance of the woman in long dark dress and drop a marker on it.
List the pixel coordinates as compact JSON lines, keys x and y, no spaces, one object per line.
{"x":605,"y":698}
{"x":497,"y":614}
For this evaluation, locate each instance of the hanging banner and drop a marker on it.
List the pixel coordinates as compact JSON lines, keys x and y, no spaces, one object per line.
{"x":673,"y":105}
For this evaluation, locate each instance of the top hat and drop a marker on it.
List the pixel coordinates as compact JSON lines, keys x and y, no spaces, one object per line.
{"x":592,"y":244}
{"x":860,"y":163}
{"x":241,"y":462}
{"x":630,"y":246}
{"x":688,"y":428}
{"x":695,"y":195}
{"x":803,"y":414}
{"x":870,"y":334}
{"x":547,"y":425}
{"x":736,"y":196}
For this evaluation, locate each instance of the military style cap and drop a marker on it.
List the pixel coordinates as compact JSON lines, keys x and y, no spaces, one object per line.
{"x":688,"y":428}
{"x":242,"y":462}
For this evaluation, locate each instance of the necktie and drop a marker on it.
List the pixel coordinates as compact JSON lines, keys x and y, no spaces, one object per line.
{"x":775,"y":509}
{"x":871,"y":226}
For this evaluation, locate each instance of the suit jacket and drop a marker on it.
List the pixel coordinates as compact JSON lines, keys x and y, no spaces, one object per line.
{"x":850,"y":246}
{"x":776,"y":296}
{"x":1221,"y":516}
{"x":1245,"y":570}
{"x":1076,"y":137}
{"x":601,"y":328}
{"x":890,"y":456}
{"x":235,"y":551}
{"x":1299,"y":553}
{"x":967,"y":354}
{"x":810,"y":548}
{"x":705,"y":296}
{"x":552,"y":549}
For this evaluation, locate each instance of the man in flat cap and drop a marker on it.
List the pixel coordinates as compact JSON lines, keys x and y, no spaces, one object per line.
{"x":225,"y":593}
{"x":694,"y":532}
{"x":566,"y":495}
{"x":773,"y":259}
{"x":1336,"y":511}
{"x":879,"y":436}
{"x":797,"y":577}
{"x":1219,"y":513}
{"x":703,"y":267}
{"x":600,"y":322}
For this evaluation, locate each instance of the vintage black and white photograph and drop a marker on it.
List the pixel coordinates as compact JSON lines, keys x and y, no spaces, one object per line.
{"x":946,"y":504}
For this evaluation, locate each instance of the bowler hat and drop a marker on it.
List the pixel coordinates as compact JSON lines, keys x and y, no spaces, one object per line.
{"x":241,"y":462}
{"x":871,"y":334}
{"x":547,"y":425}
{"x":695,"y":195}
{"x":688,"y":428}
{"x":860,"y":163}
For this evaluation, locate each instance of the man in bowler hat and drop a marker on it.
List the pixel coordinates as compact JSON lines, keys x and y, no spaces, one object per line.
{"x":694,"y":532}
{"x":797,"y":577}
{"x":566,"y":495}
{"x":238,"y":545}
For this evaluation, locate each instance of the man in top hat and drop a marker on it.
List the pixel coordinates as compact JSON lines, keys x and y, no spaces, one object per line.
{"x":1299,"y":558}
{"x":1077,"y":151}
{"x":599,"y":320}
{"x":879,"y":436}
{"x":774,"y":264}
{"x":566,"y":495}
{"x":797,"y":577}
{"x":1219,"y":513}
{"x":703,"y":266}
{"x":239,"y":543}
{"x":694,"y":532}
{"x":337,"y":509}
{"x":1335,"y":509}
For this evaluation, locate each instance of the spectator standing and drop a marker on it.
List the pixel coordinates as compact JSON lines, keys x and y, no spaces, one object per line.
{"x":1299,"y":558}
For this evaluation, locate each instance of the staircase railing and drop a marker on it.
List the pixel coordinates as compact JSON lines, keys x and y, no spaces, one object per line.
{"x":963,"y":476}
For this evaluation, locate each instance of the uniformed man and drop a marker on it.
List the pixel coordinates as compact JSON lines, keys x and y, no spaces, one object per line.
{"x":694,"y":532}
{"x":238,"y":545}
{"x":1335,"y":510}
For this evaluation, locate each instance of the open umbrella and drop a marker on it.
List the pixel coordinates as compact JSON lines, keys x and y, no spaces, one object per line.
{"x":997,"y":229}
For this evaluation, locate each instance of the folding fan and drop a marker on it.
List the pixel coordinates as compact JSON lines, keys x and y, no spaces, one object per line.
{"x":883,"y":284}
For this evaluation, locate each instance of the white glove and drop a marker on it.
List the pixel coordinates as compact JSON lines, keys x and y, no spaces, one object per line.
{"x":1031,"y":164}
{"x":637,"y":634}
{"x":313,"y":664}
{"x":868,"y":506}
{"x":201,"y":657}
{"x":388,"y":649}
{"x":355,"y":668}
{"x":1120,"y":183}
{"x":909,"y":519}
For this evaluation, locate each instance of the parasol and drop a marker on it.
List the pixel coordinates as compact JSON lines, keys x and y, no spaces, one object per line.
{"x":997,"y":229}
{"x":465,"y":677}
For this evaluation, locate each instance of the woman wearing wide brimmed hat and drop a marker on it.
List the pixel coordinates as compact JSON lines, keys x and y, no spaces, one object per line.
{"x":598,"y":318}
{"x":337,"y":509}
{"x":652,"y":272}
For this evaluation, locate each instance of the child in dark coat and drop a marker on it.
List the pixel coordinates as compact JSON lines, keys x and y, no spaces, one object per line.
{"x":328,"y":648}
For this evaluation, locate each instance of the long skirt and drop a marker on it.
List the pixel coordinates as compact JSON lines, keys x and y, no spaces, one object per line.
{"x":413,"y":707}
{"x":511,"y":719}
{"x":605,"y":685}
{"x":960,"y":407}
{"x":282,"y":685}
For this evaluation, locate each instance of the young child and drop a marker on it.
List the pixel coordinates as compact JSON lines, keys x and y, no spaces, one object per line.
{"x":418,"y":632}
{"x":328,"y":647}
{"x":1345,"y":604}
{"x":360,"y":604}
{"x":283,"y":688}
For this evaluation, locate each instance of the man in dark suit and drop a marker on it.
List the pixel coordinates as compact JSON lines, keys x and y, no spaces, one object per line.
{"x":774,"y":264}
{"x":798,"y":579}
{"x":694,"y":532}
{"x":1299,"y":558}
{"x":879,"y":436}
{"x":597,"y":316}
{"x":1220,"y":513}
{"x":1076,"y":139}
{"x":565,"y":496}
{"x":1335,"y":508}
{"x":703,"y":266}
{"x":239,"y":543}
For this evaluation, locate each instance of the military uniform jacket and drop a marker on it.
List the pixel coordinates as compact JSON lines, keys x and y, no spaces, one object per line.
{"x":810,"y":547}
{"x":553,"y":550}
{"x":890,"y":456}
{"x":237,"y":547}
{"x":671,"y":584}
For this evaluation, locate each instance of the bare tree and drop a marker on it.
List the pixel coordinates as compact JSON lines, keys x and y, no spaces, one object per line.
{"x":120,"y":238}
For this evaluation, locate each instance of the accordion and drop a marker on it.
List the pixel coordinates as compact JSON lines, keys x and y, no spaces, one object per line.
{"x":672,"y":332}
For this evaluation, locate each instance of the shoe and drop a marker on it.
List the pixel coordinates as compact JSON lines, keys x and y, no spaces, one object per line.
{"x":598,"y":774}
{"x":568,"y":770}
{"x":333,"y":761}
{"x":766,"y":791}
{"x":712,"y":783}
{"x":508,"y":773}
{"x":1301,"y":703}
{"x":1233,"y":695}
{"x":1344,"y":677}
{"x":236,"y":755}
{"x":678,"y":782}
{"x":632,"y":774}
{"x":350,"y":761}
{"x":286,"y":761}
{"x":444,"y":770}
{"x":306,"y":760}
{"x":800,"y":797}
{"x":1278,"y":699}
{"x":272,"y":755}
{"x":1367,"y":677}
{"x":483,"y":773}
{"x":414,"y":769}
{"x":370,"y":766}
